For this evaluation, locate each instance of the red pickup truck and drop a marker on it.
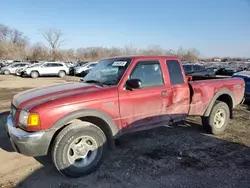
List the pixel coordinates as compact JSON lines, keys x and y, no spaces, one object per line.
{"x":79,"y":121}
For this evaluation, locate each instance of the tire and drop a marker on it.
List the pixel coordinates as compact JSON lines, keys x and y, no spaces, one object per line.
{"x":63,"y":154}
{"x":6,"y":72}
{"x":83,"y":74}
{"x":218,"y":125}
{"x":61,"y":74}
{"x":34,"y":74}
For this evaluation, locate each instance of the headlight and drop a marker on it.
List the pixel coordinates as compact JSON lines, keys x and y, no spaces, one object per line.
{"x":29,"y":119}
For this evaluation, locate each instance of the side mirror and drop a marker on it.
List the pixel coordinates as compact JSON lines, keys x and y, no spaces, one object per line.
{"x":133,"y":83}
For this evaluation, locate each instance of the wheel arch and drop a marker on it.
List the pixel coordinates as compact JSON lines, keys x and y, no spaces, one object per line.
{"x":223,"y":95}
{"x":97,"y":117}
{"x":61,"y":70}
{"x":34,"y":71}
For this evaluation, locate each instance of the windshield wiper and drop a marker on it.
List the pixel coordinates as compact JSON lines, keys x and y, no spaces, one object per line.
{"x":95,"y":81}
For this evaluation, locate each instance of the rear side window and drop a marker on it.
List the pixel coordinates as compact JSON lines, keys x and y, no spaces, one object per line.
{"x":174,"y":71}
{"x":59,"y":65}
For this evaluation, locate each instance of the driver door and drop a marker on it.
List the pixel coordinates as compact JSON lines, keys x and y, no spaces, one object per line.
{"x":142,"y":108}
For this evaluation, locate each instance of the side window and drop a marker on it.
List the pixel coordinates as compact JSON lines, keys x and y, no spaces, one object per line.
{"x":59,"y":65}
{"x":149,"y":72}
{"x":203,"y":68}
{"x":197,"y":68}
{"x":47,"y":65}
{"x":187,"y":68}
{"x":175,"y":72}
{"x":54,"y":65}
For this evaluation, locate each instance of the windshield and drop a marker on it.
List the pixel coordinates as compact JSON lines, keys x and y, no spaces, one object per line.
{"x":108,"y":71}
{"x":13,"y":65}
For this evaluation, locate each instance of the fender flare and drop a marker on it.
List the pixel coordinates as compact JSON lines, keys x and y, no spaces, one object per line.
{"x":111,"y":134}
{"x":84,"y":113}
{"x":215,"y":97}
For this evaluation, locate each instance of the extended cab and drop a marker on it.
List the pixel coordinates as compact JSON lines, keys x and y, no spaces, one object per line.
{"x":78,"y":122}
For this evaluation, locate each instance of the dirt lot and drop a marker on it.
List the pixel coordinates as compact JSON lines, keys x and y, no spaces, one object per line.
{"x":177,"y":156}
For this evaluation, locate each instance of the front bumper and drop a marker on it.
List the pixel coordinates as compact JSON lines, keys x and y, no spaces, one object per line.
{"x":28,"y":143}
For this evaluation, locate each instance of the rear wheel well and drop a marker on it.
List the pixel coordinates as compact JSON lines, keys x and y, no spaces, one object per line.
{"x":103,"y":125}
{"x":228,"y":100}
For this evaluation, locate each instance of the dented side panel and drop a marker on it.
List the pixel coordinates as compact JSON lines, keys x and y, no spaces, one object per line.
{"x":205,"y":90}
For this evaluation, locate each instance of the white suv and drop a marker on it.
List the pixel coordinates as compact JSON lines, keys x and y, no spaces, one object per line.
{"x":13,"y":67}
{"x":47,"y":69}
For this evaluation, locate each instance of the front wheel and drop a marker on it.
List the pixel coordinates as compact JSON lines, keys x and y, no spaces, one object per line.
{"x":34,"y":74}
{"x":217,"y":122}
{"x":79,"y":149}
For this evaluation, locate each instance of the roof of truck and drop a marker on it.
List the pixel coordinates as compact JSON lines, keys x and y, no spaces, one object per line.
{"x":144,"y":56}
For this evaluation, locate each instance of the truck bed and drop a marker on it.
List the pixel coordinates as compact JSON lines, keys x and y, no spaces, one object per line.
{"x":197,"y":78}
{"x":203,"y":90}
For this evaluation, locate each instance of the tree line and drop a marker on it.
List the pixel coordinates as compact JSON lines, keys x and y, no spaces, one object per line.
{"x":16,"y":46}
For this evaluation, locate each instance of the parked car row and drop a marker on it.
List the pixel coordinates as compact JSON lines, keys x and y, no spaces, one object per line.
{"x":197,"y":70}
{"x":35,"y":70}
{"x":212,"y":69}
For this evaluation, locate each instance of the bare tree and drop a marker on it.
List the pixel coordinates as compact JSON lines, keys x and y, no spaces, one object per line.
{"x":38,"y":52}
{"x":55,"y":38}
{"x":18,"y":38}
{"x":5,"y":32}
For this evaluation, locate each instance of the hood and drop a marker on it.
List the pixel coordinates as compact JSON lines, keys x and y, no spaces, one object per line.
{"x":3,"y":68}
{"x":243,"y":73}
{"x":30,"y":98}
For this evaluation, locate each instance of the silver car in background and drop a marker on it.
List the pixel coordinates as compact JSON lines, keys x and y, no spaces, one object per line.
{"x":13,"y":67}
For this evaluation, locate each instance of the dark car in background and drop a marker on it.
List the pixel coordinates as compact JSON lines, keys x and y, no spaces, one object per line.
{"x":1,"y":65}
{"x":197,"y":70}
{"x":231,"y":69}
{"x":227,"y":71}
{"x":246,"y":76}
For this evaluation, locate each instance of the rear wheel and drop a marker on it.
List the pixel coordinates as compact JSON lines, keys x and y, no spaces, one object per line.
{"x":34,"y":74}
{"x":61,"y":74}
{"x":6,"y":72}
{"x":79,"y":149}
{"x":217,"y":122}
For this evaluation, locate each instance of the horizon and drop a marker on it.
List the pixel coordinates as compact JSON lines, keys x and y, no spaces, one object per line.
{"x":215,"y":29}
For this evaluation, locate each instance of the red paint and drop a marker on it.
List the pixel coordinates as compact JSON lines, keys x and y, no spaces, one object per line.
{"x":132,"y":110}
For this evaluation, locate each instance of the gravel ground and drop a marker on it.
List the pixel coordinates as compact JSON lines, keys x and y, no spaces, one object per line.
{"x":180,"y":155}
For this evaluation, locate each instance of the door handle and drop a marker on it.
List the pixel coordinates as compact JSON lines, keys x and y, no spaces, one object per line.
{"x":164,"y":93}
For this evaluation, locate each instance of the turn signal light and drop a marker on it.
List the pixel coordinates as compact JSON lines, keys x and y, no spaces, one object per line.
{"x":33,"y":120}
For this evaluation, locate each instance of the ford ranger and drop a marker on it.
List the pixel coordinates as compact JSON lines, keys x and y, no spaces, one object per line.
{"x":78,"y":122}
